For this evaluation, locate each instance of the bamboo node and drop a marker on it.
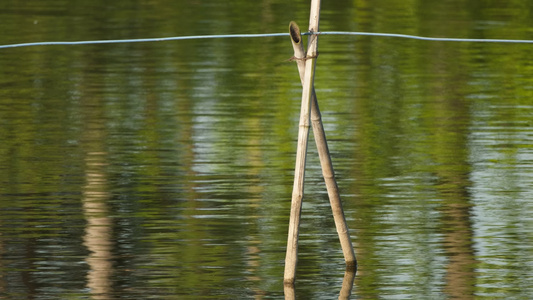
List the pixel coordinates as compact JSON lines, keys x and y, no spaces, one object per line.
{"x":311,"y":57}
{"x":294,"y":58}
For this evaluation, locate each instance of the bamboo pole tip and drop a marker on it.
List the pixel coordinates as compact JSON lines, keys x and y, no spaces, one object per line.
{"x":295,"y":33}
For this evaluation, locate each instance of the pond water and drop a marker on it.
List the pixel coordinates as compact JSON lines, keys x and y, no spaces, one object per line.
{"x":164,"y":170}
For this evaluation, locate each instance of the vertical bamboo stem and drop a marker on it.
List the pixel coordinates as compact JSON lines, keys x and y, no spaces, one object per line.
{"x":291,"y":258}
{"x":323,"y":152}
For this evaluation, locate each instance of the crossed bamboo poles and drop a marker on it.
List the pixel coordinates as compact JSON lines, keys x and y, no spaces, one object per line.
{"x":310,"y":113}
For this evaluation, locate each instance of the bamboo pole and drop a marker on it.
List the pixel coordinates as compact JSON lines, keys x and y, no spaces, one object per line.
{"x":291,"y":258}
{"x":323,"y":153}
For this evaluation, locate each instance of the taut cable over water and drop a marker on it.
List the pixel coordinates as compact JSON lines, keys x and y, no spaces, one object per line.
{"x":259,"y":35}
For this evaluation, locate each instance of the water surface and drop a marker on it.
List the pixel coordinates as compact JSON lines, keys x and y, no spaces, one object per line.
{"x":164,"y":170}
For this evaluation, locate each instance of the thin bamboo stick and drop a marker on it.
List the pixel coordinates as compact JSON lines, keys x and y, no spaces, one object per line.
{"x":291,"y":258}
{"x":323,"y":152}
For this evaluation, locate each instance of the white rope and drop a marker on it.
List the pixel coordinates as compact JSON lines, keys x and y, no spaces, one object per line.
{"x":195,"y":37}
{"x":176,"y":38}
{"x":415,"y":37}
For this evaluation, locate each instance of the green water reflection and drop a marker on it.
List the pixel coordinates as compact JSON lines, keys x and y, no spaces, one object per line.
{"x":164,"y":170}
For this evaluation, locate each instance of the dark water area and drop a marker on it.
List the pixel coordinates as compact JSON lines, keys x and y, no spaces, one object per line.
{"x":164,"y":170}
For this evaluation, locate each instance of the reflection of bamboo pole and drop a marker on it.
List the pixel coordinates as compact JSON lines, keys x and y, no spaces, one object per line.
{"x":347,"y":284}
{"x":97,"y":237}
{"x":291,"y":257}
{"x":288,"y":291}
{"x":323,"y":152}
{"x":344,"y":294}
